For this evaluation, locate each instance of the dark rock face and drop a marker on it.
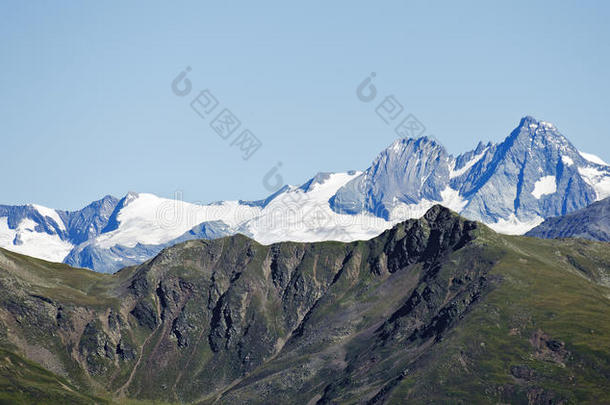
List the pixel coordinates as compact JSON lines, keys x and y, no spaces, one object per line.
{"x":548,"y":348}
{"x":217,"y":310}
{"x":97,"y":349}
{"x":296,"y":283}
{"x":522,"y":372}
{"x":592,"y":222}
{"x":145,"y":314}
{"x":125,"y":351}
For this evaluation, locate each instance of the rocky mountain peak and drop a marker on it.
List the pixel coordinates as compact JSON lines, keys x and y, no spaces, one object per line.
{"x":531,"y":129}
{"x":439,"y":213}
{"x":91,"y":220}
{"x":319,"y":178}
{"x":407,"y":146}
{"x":408,"y":171}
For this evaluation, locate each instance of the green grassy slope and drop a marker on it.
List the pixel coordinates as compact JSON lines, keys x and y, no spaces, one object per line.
{"x":542,"y":336}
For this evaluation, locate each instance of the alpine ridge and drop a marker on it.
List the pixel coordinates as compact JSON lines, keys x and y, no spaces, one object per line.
{"x":512,"y":186}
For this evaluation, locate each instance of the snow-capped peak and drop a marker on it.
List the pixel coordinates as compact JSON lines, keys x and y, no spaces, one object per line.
{"x":149,"y":220}
{"x":50,"y":213}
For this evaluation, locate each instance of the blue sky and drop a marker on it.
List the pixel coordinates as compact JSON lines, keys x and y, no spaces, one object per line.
{"x":86,"y":107}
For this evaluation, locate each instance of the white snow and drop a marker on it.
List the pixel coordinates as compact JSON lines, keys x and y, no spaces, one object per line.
{"x":545,"y":185}
{"x":596,"y":176}
{"x":51,"y":213}
{"x":453,"y":200}
{"x":593,"y":158}
{"x":567,"y":160}
{"x":514,"y":226}
{"x":307,"y":217}
{"x":599,"y":180}
{"x":301,"y":216}
{"x":396,"y":146}
{"x":455,"y":173}
{"x":402,"y":212}
{"x":450,"y":199}
{"x":148,"y":219}
{"x":36,"y":244}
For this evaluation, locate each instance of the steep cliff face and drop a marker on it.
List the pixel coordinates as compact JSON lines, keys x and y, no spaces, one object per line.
{"x":233,"y":321}
{"x":406,"y":172}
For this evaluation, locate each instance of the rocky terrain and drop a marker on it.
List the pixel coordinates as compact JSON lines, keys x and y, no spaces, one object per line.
{"x":440,"y":309}
{"x":592,"y":222}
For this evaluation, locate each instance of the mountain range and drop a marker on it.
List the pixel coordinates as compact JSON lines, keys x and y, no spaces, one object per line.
{"x":512,"y":186}
{"x":435,"y":310}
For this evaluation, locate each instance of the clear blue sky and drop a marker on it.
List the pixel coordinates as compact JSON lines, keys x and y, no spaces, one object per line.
{"x":86,"y":107}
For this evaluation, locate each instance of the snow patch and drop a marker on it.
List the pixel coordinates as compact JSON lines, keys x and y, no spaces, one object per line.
{"x":151,"y":220}
{"x":453,"y":200}
{"x":450,"y":199}
{"x":396,"y":146}
{"x":300,"y":216}
{"x":593,"y":158}
{"x":567,"y":160}
{"x":36,"y":244}
{"x":545,"y":185}
{"x":51,"y":213}
{"x":456,"y":173}
{"x":599,"y":180}
{"x":513,"y":226}
{"x":402,"y":211}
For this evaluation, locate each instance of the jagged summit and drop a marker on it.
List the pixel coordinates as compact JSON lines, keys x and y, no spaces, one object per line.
{"x":438,"y":212}
{"x":512,"y":186}
{"x":530,"y":128}
{"x":406,"y":172}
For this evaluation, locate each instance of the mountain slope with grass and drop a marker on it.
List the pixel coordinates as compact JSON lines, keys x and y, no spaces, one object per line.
{"x":439,"y":309}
